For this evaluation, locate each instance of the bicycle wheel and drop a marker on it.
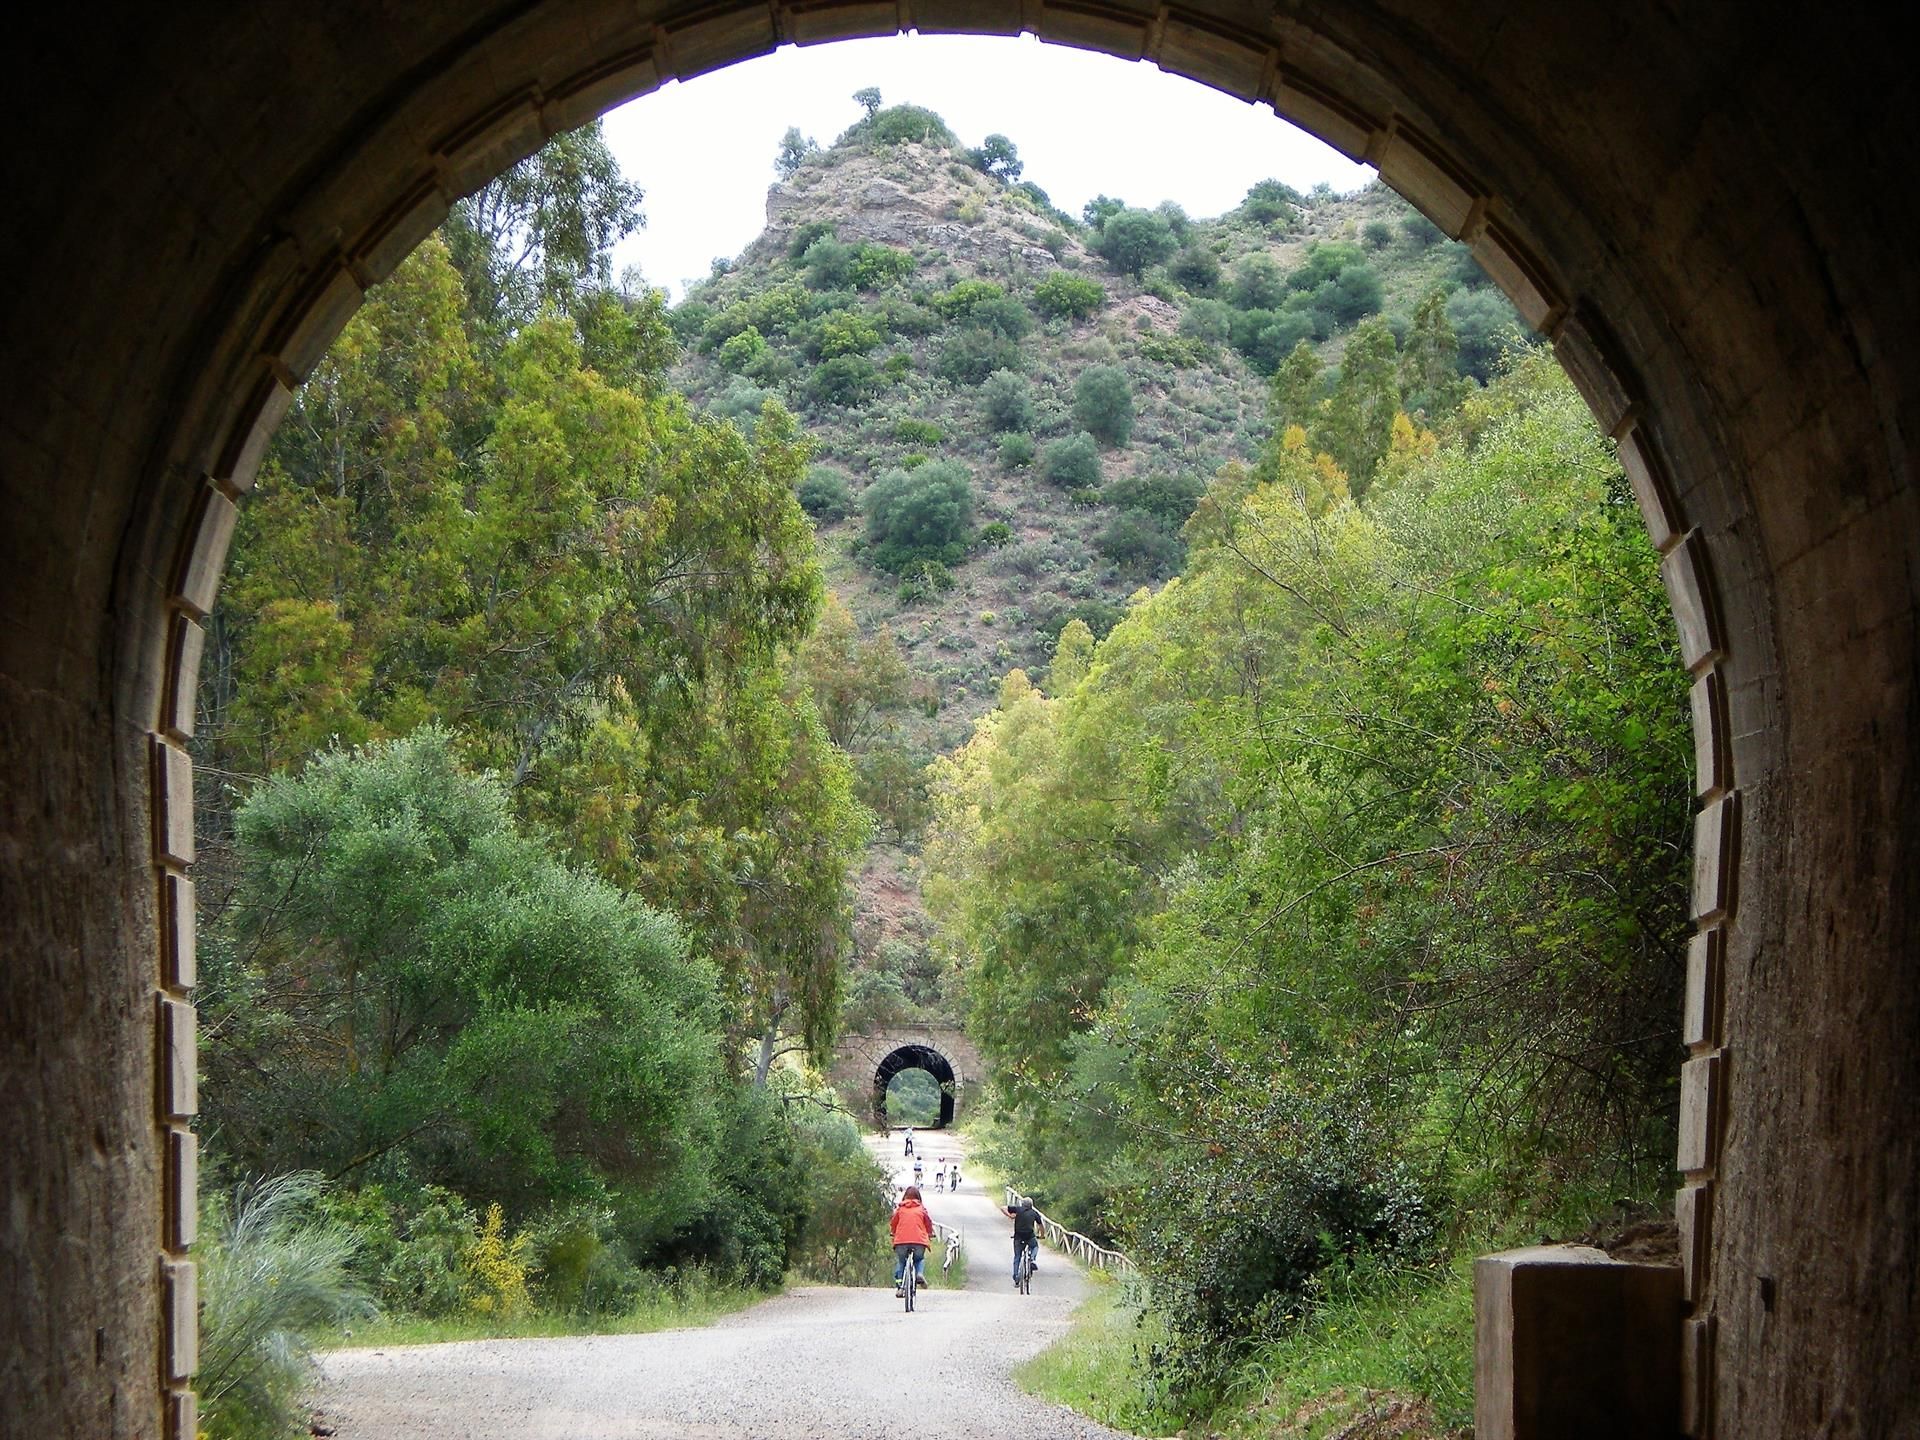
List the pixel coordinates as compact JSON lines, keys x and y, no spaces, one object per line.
{"x":1026,"y":1271}
{"x":909,"y":1284}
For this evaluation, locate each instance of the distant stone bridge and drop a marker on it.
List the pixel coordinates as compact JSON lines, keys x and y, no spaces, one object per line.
{"x":864,"y":1064}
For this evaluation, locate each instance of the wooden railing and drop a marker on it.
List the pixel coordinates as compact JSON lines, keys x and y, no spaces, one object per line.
{"x":1076,"y":1245}
{"x":950,"y":1237}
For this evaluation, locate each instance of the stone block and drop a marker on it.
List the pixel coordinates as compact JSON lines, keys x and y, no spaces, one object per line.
{"x":1651,"y":488}
{"x":182,"y":1319}
{"x":836,"y":20}
{"x":257,"y":417}
{"x":1113,"y":29}
{"x":1700,"y":1011}
{"x":185,"y":643}
{"x":1716,"y":857}
{"x":179,"y":941}
{"x":716,"y":36}
{"x":1514,"y":269}
{"x":1231,"y":62}
{"x":1700,"y":1083}
{"x":1696,"y":1377}
{"x":1693,"y":1214}
{"x":1422,"y":172}
{"x":179,"y":1059}
{"x":1684,"y":571}
{"x":1323,"y":114}
{"x":205,"y":560}
{"x":398,"y":232}
{"x":183,"y":1415}
{"x":313,"y":320}
{"x":1572,"y":1345}
{"x":1712,"y":735}
{"x":172,"y":802}
{"x":183,"y":1188}
{"x":486,"y":146}
{"x":1588,"y":353}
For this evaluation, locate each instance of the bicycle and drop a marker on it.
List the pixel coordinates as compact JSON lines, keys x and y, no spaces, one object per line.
{"x":910,"y":1281}
{"x":1023,"y":1270}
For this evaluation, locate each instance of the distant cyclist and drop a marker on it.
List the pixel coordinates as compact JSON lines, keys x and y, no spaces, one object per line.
{"x":1028,"y":1227}
{"x":909,"y":1150}
{"x":912,"y":1233}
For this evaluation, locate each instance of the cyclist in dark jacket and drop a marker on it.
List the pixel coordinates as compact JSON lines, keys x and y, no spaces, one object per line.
{"x":1028,"y":1227}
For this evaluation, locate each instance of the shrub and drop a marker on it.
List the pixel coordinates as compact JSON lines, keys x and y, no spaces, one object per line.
{"x":877,"y":266}
{"x":828,"y":264}
{"x":689,"y":319}
{"x":1103,"y":404}
{"x":906,"y":124}
{"x":804,"y":235}
{"x":1008,"y":400}
{"x":1072,"y":463}
{"x":1197,"y":269}
{"x":273,"y":1272}
{"x":1257,"y":284}
{"x":741,"y":350}
{"x":959,"y":302}
{"x":1421,"y":232}
{"x":971,"y":355}
{"x":923,"y":514}
{"x":918,"y":432}
{"x":1168,"y":499}
{"x":843,"y":380}
{"x":1074,"y":296}
{"x":1183,"y":353}
{"x":1140,"y":544}
{"x":1270,"y":203}
{"x":1208,"y":320}
{"x":1134,"y":239}
{"x":845,"y":332}
{"x":742,"y":404}
{"x":992,"y":537}
{"x":1016,"y":451}
{"x":824,"y":495}
{"x":1377,"y":234}
{"x":923,"y":580}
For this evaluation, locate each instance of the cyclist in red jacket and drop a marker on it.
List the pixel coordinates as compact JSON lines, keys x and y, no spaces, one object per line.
{"x":912,"y":1233}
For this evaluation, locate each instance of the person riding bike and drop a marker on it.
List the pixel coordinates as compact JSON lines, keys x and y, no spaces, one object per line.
{"x":912,"y":1233}
{"x":1028,"y":1227}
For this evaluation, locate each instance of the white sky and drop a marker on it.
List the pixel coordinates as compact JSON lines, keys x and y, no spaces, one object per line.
{"x":1084,"y":123}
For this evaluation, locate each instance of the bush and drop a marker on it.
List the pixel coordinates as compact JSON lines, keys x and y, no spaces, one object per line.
{"x":843,"y":380}
{"x":1270,"y":203}
{"x":273,"y":1273}
{"x":1016,"y":451}
{"x":923,"y":580}
{"x":824,"y":495}
{"x":844,"y":332}
{"x":828,"y":264}
{"x":993,"y":536}
{"x":1208,"y":320}
{"x":742,"y":350}
{"x":923,"y":514}
{"x":906,"y":124}
{"x":1074,"y":296}
{"x":971,"y":355}
{"x":918,"y":432}
{"x":1140,"y":544}
{"x":1072,"y":463}
{"x":1134,"y":239}
{"x":1008,"y":400}
{"x":1257,"y":284}
{"x":1169,"y":499}
{"x":1103,"y":404}
{"x":1377,"y":234}
{"x":804,"y":235}
{"x":959,"y":302}
{"x":1196,"y":269}
{"x":1421,"y":232}
{"x":877,"y":266}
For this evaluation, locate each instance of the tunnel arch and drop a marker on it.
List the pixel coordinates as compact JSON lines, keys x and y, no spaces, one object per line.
{"x":1660,"y":196}
{"x":917,"y":1057}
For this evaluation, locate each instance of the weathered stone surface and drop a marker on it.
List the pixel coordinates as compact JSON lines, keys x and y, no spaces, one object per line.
{"x":1708,"y":182}
{"x":1571,"y":1345}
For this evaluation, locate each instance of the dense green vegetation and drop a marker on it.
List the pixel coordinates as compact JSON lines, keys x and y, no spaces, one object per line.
{"x":1331,"y":909}
{"x":529,"y":816}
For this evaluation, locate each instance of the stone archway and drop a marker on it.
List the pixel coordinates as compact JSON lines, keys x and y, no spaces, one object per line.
{"x":916,"y":1057}
{"x":1700,"y":209}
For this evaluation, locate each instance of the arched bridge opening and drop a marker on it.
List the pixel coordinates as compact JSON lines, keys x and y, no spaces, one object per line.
{"x":916,"y":1057}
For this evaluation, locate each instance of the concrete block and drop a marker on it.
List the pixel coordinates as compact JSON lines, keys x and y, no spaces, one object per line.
{"x":183,"y":1415}
{"x":1323,"y":114}
{"x":257,"y":417}
{"x":1227,"y":60}
{"x":486,"y":146}
{"x":1587,"y":352}
{"x":1572,"y":1345}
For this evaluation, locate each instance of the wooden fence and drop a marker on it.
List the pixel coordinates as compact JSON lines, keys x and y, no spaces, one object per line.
{"x":1076,"y":1245}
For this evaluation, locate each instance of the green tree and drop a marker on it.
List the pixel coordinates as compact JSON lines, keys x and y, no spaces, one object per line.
{"x":1007,"y":399}
{"x":1269,"y":202}
{"x":1132,"y":240}
{"x":868,"y":100}
{"x":1103,"y":404}
{"x":921,"y":514}
{"x":795,"y":150}
{"x":1359,"y":416}
{"x":1296,"y":387}
{"x":1072,"y":462}
{"x":998,"y":157}
{"x":1062,"y":295}
{"x":1430,"y":382}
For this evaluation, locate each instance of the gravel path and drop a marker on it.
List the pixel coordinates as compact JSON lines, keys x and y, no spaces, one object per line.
{"x":814,"y":1362}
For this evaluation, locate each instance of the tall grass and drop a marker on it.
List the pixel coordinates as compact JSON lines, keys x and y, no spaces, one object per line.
{"x":272,"y":1274}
